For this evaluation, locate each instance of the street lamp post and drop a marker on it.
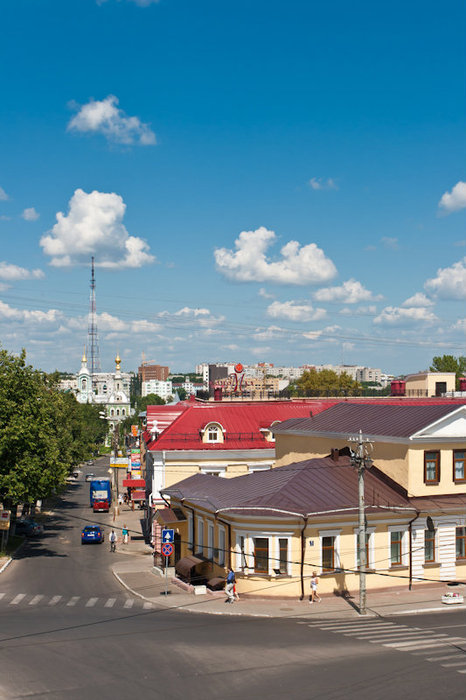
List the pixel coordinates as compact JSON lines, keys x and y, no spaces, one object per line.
{"x":361,"y":460}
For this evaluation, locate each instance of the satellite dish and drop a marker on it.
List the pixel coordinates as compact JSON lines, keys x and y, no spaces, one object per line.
{"x":430,"y":524}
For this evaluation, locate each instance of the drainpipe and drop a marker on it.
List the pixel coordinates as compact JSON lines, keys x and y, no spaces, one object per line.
{"x":303,"y":551}
{"x":411,"y":550}
{"x":194,"y":524}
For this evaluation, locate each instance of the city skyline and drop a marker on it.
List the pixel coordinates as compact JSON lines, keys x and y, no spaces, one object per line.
{"x":266,"y":184}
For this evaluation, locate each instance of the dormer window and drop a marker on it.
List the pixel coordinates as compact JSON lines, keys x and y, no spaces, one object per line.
{"x":213,"y":432}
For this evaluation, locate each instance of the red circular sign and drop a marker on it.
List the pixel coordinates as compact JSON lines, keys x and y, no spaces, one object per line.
{"x":167,"y":549}
{"x":239,"y":368}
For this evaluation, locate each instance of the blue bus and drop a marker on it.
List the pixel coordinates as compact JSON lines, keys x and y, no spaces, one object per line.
{"x":100,"y":490}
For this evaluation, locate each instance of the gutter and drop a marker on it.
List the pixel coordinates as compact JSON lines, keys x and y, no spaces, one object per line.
{"x":410,"y":527}
{"x":303,"y":551}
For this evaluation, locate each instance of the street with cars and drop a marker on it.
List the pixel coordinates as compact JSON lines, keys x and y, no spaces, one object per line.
{"x":69,"y":630}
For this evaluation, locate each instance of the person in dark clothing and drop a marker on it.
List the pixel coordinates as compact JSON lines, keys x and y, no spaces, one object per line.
{"x":230,"y":585}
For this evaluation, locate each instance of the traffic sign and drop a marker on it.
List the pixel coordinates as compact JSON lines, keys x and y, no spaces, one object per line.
{"x":168,"y":535}
{"x":167,"y":549}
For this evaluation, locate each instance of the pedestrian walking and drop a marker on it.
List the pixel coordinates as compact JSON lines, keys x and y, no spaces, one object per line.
{"x":125,"y":534}
{"x":315,"y":597}
{"x":230,"y":585}
{"x":112,"y":538}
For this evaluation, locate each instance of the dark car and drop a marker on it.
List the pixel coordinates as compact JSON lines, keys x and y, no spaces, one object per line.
{"x":92,"y":533}
{"x":29,"y":527}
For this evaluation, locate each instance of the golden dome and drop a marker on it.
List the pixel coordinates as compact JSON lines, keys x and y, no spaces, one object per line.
{"x":118,"y":362}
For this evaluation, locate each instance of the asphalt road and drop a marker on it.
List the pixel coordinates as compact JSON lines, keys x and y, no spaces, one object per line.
{"x":69,"y":631}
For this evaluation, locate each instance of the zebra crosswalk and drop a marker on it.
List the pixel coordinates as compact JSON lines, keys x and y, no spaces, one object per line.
{"x":414,"y":640}
{"x":72,"y":601}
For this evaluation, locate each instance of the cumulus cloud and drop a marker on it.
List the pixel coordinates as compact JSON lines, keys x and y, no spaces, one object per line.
{"x":319,"y":183}
{"x":454,"y":200}
{"x":265,"y":294}
{"x":94,"y":226}
{"x":3,"y":195}
{"x":390,"y":243}
{"x":322,"y":333}
{"x":369,"y":310}
{"x":269,"y":333}
{"x":292,"y":311}
{"x":418,"y":300}
{"x":450,"y":282}
{"x":298,"y":265}
{"x":192,"y":317}
{"x":14,"y":273}
{"x":105,"y":117}
{"x":30,"y":214}
{"x":9,"y":313}
{"x":398,"y":316}
{"x":350,"y":292}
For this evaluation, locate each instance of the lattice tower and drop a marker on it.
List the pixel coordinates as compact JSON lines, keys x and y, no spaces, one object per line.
{"x":92,"y":337}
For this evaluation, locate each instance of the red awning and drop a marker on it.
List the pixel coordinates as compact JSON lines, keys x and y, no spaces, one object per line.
{"x":138,"y":495}
{"x":134,"y":483}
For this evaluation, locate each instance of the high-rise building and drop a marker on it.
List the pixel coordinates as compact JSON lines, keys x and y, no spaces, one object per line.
{"x":148,"y":372}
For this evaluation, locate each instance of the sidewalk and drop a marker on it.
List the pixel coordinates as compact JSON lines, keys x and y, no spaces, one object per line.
{"x":136,"y":573}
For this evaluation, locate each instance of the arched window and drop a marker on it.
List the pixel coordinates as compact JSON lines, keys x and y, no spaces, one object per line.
{"x":122,"y":411}
{"x":118,"y":411}
{"x":84,"y":384}
{"x":112,"y":412}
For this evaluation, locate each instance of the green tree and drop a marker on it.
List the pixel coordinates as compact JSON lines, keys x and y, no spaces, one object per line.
{"x":449,"y":363}
{"x":325,"y":383}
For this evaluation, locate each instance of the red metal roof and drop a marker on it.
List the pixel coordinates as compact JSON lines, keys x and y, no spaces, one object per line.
{"x":243,"y":423}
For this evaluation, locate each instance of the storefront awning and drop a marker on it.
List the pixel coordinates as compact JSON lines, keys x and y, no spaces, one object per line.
{"x":134,"y":483}
{"x":184,"y":566}
{"x":138,"y":495}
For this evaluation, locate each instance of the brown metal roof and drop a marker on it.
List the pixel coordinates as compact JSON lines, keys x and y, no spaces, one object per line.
{"x":169,"y":515}
{"x":449,"y":503}
{"x":377,"y":420}
{"x":314,"y":486}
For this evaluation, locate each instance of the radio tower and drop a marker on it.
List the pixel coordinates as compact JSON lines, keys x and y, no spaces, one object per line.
{"x":93,"y":341}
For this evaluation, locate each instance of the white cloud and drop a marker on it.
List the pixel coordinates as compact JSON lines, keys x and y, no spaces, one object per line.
{"x":418,"y":300}
{"x":299,"y":265}
{"x":315,"y":335}
{"x":268,"y":333}
{"x":292,"y":311}
{"x":398,"y":316}
{"x":390,"y":243}
{"x":9,"y":313}
{"x":192,"y":317}
{"x":3,"y":195}
{"x":319,"y":183}
{"x":30,"y":214}
{"x":265,"y":294}
{"x":5,"y":218}
{"x":454,"y":200}
{"x":94,"y":226}
{"x":261,"y":352}
{"x":350,"y":292}
{"x":104,"y":117}
{"x":450,"y":282}
{"x":369,"y":310}
{"x":14,"y":273}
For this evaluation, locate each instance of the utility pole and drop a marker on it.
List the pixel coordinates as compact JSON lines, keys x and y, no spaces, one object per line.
{"x":361,"y":460}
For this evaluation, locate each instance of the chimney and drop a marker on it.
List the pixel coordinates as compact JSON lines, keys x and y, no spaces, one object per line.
{"x":335,"y":454}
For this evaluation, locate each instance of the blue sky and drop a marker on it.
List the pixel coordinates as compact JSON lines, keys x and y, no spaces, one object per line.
{"x":258,"y":181}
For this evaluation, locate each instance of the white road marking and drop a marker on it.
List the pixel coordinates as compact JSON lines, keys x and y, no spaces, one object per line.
{"x":73,"y":600}
{"x":421,"y":644}
{"x":110,"y":603}
{"x":462,"y":671}
{"x":350,"y":625}
{"x":55,"y":599}
{"x":129,"y":603}
{"x":442,"y":658}
{"x":35,"y":600}
{"x":456,"y":663}
{"x":2,"y":595}
{"x":361,"y":630}
{"x":17,"y":599}
{"x":146,"y":606}
{"x":91,"y":602}
{"x":413,"y":636}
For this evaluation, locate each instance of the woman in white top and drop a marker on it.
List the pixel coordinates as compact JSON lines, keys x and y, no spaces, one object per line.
{"x":314,"y":595}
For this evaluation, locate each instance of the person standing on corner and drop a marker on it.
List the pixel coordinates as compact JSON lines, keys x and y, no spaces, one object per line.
{"x":125,"y":534}
{"x":112,"y":538}
{"x":229,"y":586}
{"x":315,"y":597}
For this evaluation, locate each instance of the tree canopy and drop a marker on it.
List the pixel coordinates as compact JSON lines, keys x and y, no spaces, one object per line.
{"x":449,"y":363}
{"x":325,"y":383}
{"x":43,"y":432}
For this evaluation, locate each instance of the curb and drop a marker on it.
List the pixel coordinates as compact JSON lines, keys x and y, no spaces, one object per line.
{"x":6,"y":564}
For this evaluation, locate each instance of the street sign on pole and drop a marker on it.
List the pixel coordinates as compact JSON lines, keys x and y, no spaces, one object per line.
{"x":168,"y":535}
{"x":167,"y":549}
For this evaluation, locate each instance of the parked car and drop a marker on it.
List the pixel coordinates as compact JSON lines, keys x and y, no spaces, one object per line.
{"x":92,"y":533}
{"x":29,"y":527}
{"x":90,"y":462}
{"x":89,"y":477}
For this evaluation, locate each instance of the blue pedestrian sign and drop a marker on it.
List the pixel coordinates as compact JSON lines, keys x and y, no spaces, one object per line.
{"x":168,"y":536}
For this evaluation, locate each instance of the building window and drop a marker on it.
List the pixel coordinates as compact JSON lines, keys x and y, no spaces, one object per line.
{"x":429,"y":546}
{"x":461,"y":542}
{"x":200,"y":536}
{"x":221,"y":546}
{"x":431,"y":467}
{"x":213,"y":434}
{"x":459,"y":471}
{"x":328,"y":553}
{"x":122,"y":411}
{"x":396,"y":549}
{"x":283,"y":555}
{"x":261,"y":555}
{"x":112,"y":412}
{"x":210,"y":540}
{"x":242,"y":555}
{"x":190,"y":531}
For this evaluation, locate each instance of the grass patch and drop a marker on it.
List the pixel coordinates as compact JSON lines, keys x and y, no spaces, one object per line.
{"x":13,"y":544}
